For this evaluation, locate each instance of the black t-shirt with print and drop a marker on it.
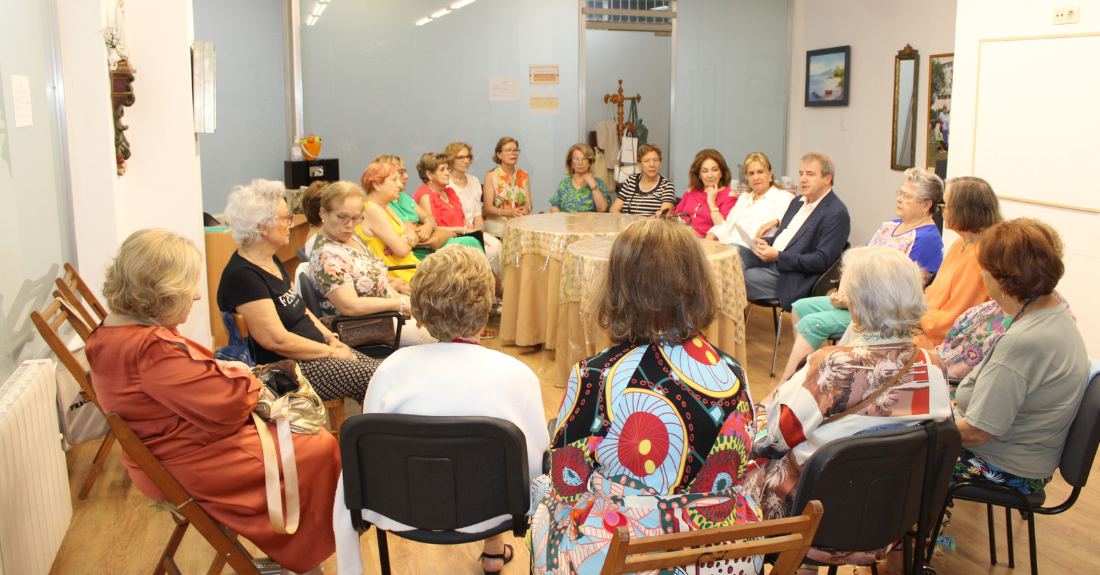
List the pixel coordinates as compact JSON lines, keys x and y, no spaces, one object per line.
{"x":243,"y":282}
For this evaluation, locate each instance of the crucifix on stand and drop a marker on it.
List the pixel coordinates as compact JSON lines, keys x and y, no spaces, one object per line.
{"x":618,"y":99}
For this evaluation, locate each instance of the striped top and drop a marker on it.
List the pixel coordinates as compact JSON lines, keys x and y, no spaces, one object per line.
{"x":646,"y":202}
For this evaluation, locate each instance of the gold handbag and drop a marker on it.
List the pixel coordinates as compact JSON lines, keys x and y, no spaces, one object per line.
{"x":287,"y":400}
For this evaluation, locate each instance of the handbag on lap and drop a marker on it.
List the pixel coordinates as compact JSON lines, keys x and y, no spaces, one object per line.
{"x":287,"y":400}
{"x":362,"y":332}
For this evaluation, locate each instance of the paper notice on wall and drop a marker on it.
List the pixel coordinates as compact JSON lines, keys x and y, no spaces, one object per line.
{"x":543,"y":74}
{"x":501,"y":89}
{"x":544,"y":103}
{"x":21,"y":100}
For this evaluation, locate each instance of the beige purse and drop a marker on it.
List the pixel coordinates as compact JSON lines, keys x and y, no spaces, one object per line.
{"x":287,"y":400}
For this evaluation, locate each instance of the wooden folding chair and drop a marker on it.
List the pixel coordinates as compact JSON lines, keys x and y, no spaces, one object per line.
{"x":185,"y":511}
{"x":71,"y":284}
{"x":790,"y":538}
{"x":57,"y":313}
{"x":333,"y":407}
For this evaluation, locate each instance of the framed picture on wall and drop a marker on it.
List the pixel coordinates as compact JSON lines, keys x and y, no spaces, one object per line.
{"x":940,"y":68}
{"x":827,"y":76}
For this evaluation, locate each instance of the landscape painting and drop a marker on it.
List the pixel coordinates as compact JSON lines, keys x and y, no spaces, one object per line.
{"x":941,"y":69}
{"x":828,"y":79}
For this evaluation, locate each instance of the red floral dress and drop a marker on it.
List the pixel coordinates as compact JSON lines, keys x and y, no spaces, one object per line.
{"x":656,"y":438}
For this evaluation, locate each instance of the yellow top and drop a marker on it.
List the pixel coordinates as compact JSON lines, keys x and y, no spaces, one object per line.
{"x":380,"y":248}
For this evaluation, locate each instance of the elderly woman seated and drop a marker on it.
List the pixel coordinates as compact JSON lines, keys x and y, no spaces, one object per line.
{"x":256,"y":285}
{"x":452,"y":297}
{"x":653,"y":433}
{"x":839,"y":392}
{"x":192,"y":411}
{"x":580,"y":191}
{"x":1014,"y":410}
{"x":350,"y":276}
{"x":913,"y":233}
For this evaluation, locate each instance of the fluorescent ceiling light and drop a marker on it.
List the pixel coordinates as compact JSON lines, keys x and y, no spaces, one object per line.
{"x":319,"y":9}
{"x":423,"y":21}
{"x":441,"y":13}
{"x":460,"y":4}
{"x":324,"y":1}
{"x":312,"y":20}
{"x":653,"y":9}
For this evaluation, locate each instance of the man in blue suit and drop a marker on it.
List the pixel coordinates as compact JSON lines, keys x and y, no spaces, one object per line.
{"x":811,"y":236}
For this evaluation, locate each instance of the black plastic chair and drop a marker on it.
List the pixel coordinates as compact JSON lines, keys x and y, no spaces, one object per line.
{"x":827,"y":281}
{"x":876,"y":486}
{"x":435,"y":474}
{"x":1078,"y":455}
{"x":312,"y":298}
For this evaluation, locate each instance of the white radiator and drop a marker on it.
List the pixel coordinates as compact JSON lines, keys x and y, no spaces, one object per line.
{"x":35,"y":503}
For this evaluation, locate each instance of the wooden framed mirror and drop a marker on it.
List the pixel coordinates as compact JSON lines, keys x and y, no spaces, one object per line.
{"x":903,"y":143}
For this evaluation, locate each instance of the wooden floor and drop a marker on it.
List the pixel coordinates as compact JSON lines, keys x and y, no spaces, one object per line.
{"x":115,"y":531}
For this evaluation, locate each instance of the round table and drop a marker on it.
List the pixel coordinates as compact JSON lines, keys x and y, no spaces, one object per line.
{"x":585,"y":265}
{"x":533,"y":252}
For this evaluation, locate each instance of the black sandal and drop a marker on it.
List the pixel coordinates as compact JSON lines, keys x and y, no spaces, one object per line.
{"x":506,"y":557}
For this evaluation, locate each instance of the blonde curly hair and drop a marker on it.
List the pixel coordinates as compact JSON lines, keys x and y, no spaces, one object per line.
{"x":453,"y":292}
{"x":154,"y":277}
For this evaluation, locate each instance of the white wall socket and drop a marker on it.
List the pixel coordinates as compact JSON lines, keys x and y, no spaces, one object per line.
{"x":1067,"y":15}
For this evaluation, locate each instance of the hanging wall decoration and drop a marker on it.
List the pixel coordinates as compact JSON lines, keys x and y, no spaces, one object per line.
{"x":122,"y":78}
{"x":828,"y":78}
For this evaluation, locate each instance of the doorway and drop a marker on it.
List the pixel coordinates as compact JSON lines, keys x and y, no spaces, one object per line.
{"x":633,"y":41}
{"x":643,"y":62}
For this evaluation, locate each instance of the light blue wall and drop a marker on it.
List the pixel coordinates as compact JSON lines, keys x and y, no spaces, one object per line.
{"x":250,"y":140}
{"x":36,"y":238}
{"x":642,"y":61}
{"x":375,"y":83}
{"x":731,"y":60}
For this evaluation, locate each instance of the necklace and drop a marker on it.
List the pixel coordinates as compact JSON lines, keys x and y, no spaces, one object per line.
{"x":271,"y":270}
{"x":442,"y":196}
{"x":921,"y":222}
{"x":460,"y":340}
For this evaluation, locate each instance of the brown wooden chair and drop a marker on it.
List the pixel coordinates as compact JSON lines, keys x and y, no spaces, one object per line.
{"x":48,"y":324}
{"x":333,"y":407}
{"x":185,"y":511}
{"x":69,"y":286}
{"x":790,"y":538}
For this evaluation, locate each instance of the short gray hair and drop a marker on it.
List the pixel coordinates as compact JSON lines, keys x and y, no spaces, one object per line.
{"x":828,"y":168}
{"x":884,"y":291}
{"x":251,"y":206}
{"x":929,"y":187}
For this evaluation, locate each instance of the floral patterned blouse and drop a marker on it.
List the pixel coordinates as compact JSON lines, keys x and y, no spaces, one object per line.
{"x":334,"y":265}
{"x":511,"y":190}
{"x":974,"y":334}
{"x":652,"y":437}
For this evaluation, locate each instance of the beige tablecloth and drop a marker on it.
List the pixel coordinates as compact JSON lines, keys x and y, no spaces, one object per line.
{"x":586,"y":264}
{"x":534,"y":248}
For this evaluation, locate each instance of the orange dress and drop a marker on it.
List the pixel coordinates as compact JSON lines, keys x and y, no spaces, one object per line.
{"x":193,"y":415}
{"x":958,"y":287}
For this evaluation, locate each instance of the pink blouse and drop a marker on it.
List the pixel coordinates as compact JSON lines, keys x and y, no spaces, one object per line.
{"x":694,"y":204}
